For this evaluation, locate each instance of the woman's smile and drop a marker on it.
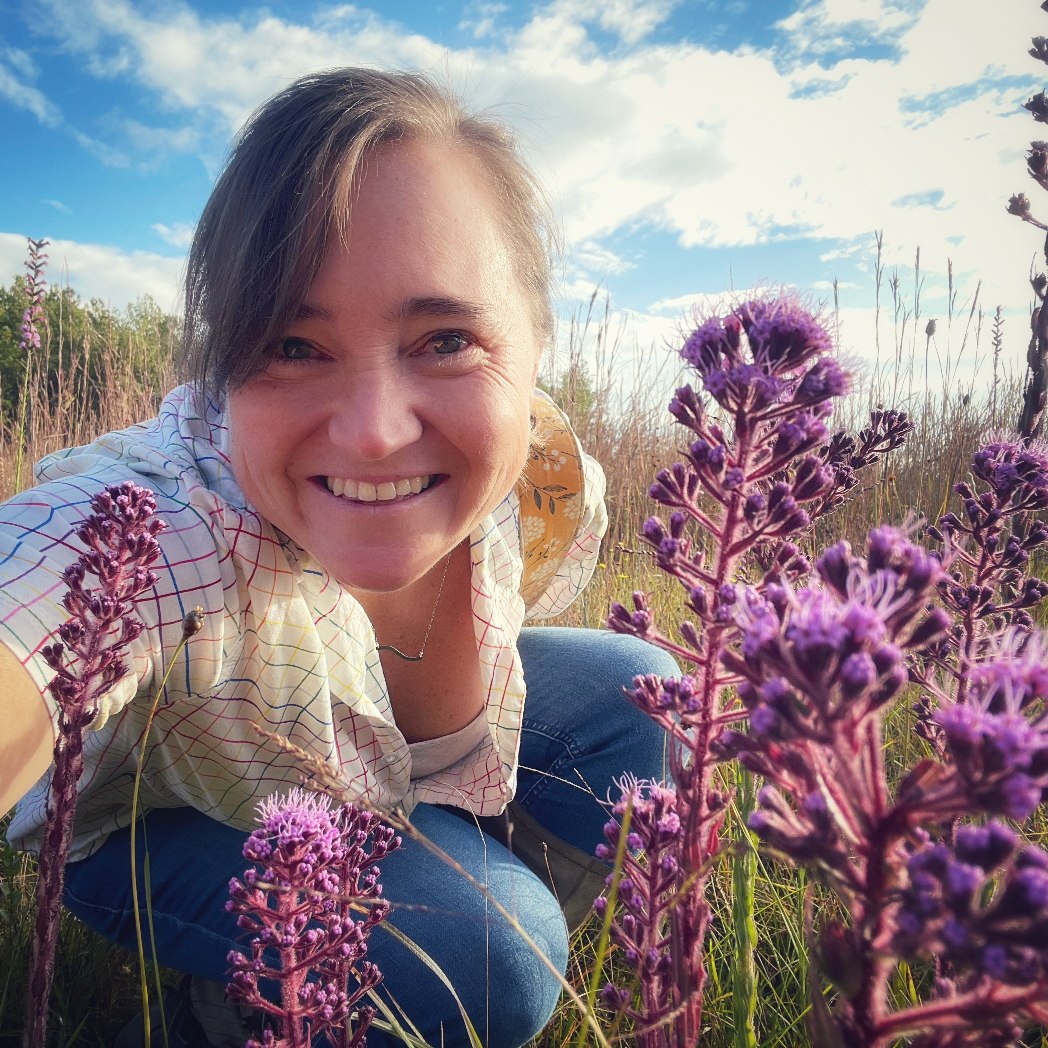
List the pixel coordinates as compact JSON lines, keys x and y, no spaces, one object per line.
{"x":379,"y":491}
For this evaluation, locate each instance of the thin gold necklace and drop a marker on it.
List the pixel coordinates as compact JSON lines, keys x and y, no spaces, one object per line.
{"x":393,"y":649}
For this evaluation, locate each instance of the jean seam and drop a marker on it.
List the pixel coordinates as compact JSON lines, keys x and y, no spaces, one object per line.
{"x":174,"y":922}
{"x":548,"y":775}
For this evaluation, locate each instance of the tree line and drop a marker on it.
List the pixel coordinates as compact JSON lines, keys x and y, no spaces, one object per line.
{"x":83,"y":344}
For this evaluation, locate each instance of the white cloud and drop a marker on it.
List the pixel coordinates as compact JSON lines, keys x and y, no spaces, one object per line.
{"x":105,"y":152}
{"x":22,"y":62}
{"x":159,"y":141}
{"x":101,"y":271}
{"x":679,"y":305}
{"x":631,"y":20}
{"x":65,"y":209}
{"x":481,"y":19}
{"x":594,"y":256}
{"x":223,"y":66}
{"x":829,"y":285}
{"x":590,"y":265}
{"x":694,"y":306}
{"x":179,"y":235}
{"x":825,"y":26}
{"x":16,"y":67}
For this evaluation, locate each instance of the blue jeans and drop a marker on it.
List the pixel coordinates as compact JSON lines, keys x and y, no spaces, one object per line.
{"x":579,"y":734}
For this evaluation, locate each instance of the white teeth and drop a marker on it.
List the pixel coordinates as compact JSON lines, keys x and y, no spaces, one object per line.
{"x":386,"y":491}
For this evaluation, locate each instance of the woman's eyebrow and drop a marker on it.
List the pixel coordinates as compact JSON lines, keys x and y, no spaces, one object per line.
{"x":419,"y":306}
{"x":308,"y":312}
{"x":440,"y":306}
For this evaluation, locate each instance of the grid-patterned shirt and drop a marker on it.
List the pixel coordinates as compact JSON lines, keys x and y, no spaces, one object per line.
{"x":283,"y":645}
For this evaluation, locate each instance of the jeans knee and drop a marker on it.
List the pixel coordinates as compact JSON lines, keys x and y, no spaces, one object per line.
{"x":634,"y":657}
{"x":523,"y":989}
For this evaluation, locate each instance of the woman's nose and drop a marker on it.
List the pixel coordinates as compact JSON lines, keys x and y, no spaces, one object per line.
{"x":373,"y":415}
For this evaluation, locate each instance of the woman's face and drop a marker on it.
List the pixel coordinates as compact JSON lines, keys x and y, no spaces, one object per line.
{"x":394,"y":414}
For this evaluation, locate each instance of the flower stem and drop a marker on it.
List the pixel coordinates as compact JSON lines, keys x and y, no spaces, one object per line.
{"x":744,"y":875}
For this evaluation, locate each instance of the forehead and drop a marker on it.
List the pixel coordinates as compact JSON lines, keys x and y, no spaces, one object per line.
{"x":428,"y":185}
{"x":423,"y":223}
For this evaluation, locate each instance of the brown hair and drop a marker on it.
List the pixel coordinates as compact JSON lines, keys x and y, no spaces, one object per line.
{"x":287,"y":189}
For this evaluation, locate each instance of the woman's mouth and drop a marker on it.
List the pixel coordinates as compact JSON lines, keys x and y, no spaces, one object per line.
{"x":384,"y":491}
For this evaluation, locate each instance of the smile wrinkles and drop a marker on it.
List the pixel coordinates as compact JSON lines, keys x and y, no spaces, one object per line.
{"x":385,"y":491}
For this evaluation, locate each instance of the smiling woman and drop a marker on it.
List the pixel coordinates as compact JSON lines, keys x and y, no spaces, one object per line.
{"x":349,"y":484}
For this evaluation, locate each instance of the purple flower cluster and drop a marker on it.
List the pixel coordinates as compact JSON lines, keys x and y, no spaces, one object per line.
{"x":982,"y":718}
{"x":820,"y":667}
{"x":315,"y":866}
{"x":847,"y":455}
{"x":35,"y":286}
{"x":980,"y":904}
{"x":756,"y":471}
{"x":997,"y":738}
{"x":646,"y":890}
{"x":794,"y":675}
{"x":88,"y":659}
{"x":120,"y":536}
{"x":988,"y":547}
{"x":1015,"y":472}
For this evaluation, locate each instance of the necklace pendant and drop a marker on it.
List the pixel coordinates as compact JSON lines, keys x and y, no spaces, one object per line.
{"x":429,"y":629}
{"x":399,"y":654}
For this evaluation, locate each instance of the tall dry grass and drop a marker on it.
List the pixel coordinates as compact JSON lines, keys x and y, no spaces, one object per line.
{"x":77,"y":393}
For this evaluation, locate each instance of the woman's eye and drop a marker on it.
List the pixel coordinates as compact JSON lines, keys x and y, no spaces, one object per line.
{"x":450,"y":342}
{"x":294,"y":349}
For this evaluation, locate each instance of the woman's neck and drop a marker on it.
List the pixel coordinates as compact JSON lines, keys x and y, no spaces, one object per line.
{"x":404,"y":615}
{"x":441,"y":692}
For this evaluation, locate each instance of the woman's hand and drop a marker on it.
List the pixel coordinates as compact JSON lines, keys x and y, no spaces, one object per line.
{"x":26,"y":739}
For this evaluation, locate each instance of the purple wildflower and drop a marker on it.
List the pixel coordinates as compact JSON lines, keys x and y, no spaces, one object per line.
{"x":990,"y":545}
{"x":29,"y":340}
{"x":1016,"y":472}
{"x":35,"y":286}
{"x":819,"y":667}
{"x":845,"y":455}
{"x":997,"y":738}
{"x":743,"y":492}
{"x":88,"y":660}
{"x":313,"y":866}
{"x":981,"y":904}
{"x":817,"y":657}
{"x":649,"y":921}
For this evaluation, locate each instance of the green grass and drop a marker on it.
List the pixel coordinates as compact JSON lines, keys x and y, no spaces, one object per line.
{"x":95,"y":982}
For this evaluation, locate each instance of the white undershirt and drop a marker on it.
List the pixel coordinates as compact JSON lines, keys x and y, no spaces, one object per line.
{"x":433,"y":755}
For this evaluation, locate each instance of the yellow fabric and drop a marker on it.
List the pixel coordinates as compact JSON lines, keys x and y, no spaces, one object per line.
{"x":552,"y":496}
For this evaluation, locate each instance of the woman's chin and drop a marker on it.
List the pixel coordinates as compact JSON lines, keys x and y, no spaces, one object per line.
{"x":378,"y":573}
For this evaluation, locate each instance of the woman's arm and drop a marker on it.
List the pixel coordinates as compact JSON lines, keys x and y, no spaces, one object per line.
{"x":26,"y":736}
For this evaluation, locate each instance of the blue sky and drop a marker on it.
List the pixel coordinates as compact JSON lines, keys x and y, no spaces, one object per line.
{"x":690,"y":147}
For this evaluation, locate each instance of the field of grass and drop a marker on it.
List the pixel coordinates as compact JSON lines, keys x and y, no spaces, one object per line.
{"x":102,"y":388}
